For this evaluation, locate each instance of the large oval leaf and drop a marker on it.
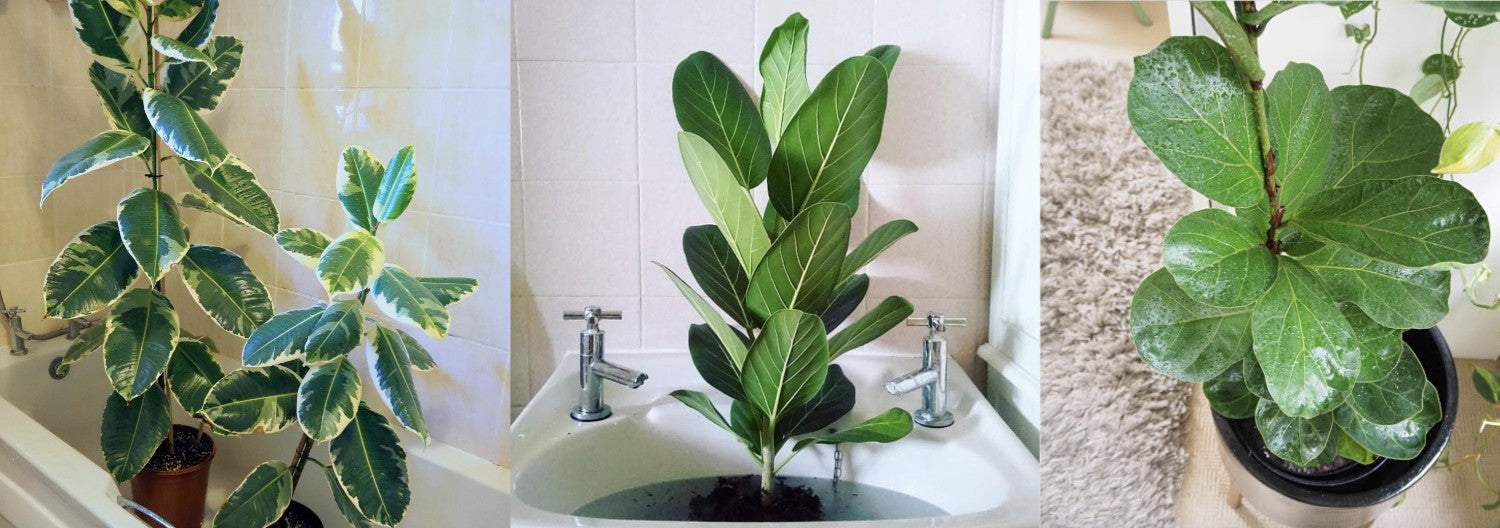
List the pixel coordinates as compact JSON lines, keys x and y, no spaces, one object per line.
{"x":699,"y":402}
{"x":1402,"y":441}
{"x":90,"y":273}
{"x":802,"y":268}
{"x":346,"y":505}
{"x":234,"y":189}
{"x":1394,"y":398}
{"x":260,"y":499}
{"x":87,"y":342}
{"x":98,"y":152}
{"x":420,"y":359}
{"x":1218,"y":258}
{"x":153,"y":231}
{"x":1183,"y":338}
{"x":1190,"y":104}
{"x":304,"y":244}
{"x":1379,"y":133}
{"x":335,"y":333}
{"x":730,"y":205}
{"x":783,"y":66}
{"x":831,"y":139}
{"x":833,"y":401}
{"x":397,"y":187}
{"x":360,"y":185}
{"x":399,"y":295}
{"x":121,"y":101}
{"x":878,"y":241}
{"x":870,"y":326}
{"x":713,"y":361}
{"x":1299,"y":109}
{"x":199,"y":86}
{"x":226,"y":289}
{"x":282,"y":338}
{"x":845,"y":300}
{"x":1304,"y":344}
{"x":198,"y":29}
{"x":787,"y":363}
{"x":1301,"y":441}
{"x":390,"y":365}
{"x":132,"y":430}
{"x":713,"y":264}
{"x":192,"y":372}
{"x":1229,"y":395}
{"x":1380,"y":348}
{"x":328,"y":399}
{"x":1394,"y":296}
{"x":172,"y":49}
{"x":711,"y":103}
{"x":371,"y":467}
{"x":351,"y":262}
{"x":888,"y":427}
{"x":253,"y":400}
{"x":1414,"y":221}
{"x":141,"y":334}
{"x":727,"y":337}
{"x":115,"y":39}
{"x":449,"y":290}
{"x":182,"y":129}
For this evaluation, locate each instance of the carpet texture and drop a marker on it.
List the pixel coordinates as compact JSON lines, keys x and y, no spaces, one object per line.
{"x":1113,"y":453}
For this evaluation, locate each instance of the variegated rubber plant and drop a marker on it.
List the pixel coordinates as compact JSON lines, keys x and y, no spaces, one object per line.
{"x":153,"y":89}
{"x":298,"y":369}
{"x":783,"y":275}
{"x":1290,"y":309}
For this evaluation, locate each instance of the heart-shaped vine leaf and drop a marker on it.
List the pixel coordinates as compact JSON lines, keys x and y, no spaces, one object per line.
{"x":1305,"y":346}
{"x":140,"y":335}
{"x":1487,"y":384}
{"x":1183,"y":338}
{"x":1470,"y":148}
{"x":1414,"y":221}
{"x":328,"y":399}
{"x":91,"y":272}
{"x":1218,"y":258}
{"x":1393,"y":296}
{"x":101,"y":151}
{"x":830,"y":139}
{"x":260,"y":499}
{"x":802,"y":268}
{"x":730,"y":204}
{"x":712,"y":104}
{"x":254,"y":400}
{"x":371,"y":467}
{"x":132,"y":430}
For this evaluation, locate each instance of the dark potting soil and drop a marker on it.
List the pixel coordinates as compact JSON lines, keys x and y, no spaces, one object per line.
{"x":190,"y":450}
{"x":737,"y":499}
{"x":297,"y":516}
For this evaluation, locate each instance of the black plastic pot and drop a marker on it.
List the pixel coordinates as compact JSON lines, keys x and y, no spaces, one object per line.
{"x":1351,"y":496}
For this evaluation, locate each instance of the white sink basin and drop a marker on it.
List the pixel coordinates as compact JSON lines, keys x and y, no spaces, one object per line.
{"x":976,"y":469}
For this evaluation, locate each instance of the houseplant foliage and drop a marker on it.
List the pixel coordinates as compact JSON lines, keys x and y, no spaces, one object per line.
{"x":298,"y":369}
{"x":784,"y":274}
{"x":1290,"y":309}
{"x":153,"y":89}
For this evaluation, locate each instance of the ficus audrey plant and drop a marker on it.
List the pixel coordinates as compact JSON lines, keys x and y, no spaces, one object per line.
{"x":1290,"y":309}
{"x":298,"y":366}
{"x":153,"y":88}
{"x":784,"y":275}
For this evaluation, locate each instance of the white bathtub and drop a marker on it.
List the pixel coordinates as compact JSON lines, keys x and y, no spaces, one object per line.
{"x":52,"y":474}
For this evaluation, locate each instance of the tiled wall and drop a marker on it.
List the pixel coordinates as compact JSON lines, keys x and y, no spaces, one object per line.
{"x":316,"y":78}
{"x":600,"y":191}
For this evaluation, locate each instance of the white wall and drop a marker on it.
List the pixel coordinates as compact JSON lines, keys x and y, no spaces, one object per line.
{"x":1409,"y":32}
{"x":601,"y":191}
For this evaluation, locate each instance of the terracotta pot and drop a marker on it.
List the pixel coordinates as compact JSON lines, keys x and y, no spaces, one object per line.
{"x":177,"y":496}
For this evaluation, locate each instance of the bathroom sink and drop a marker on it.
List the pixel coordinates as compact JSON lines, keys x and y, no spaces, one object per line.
{"x":977,"y":470}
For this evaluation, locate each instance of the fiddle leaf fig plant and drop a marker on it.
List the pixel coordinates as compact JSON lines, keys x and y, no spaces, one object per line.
{"x":153,"y":89}
{"x":298,"y":368}
{"x":783,"y":275}
{"x":1290,"y":308}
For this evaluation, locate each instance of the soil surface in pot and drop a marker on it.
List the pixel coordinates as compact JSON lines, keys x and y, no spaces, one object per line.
{"x":184,"y":450}
{"x":297,"y":516}
{"x":737,"y":498}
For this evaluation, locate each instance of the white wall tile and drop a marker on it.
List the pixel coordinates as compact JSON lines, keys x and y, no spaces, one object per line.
{"x":471,"y":248}
{"x":946,"y":257}
{"x":575,"y":30}
{"x":26,"y":23}
{"x":660,"y":159}
{"x":667,"y":31}
{"x":583,"y":121}
{"x":323,"y":44}
{"x":582,"y":238}
{"x":667,"y":209}
{"x":665,"y":321}
{"x":933,"y":133}
{"x":837,"y":29}
{"x":479,"y":51}
{"x":389,"y":57}
{"x":470,"y":164}
{"x":263,"y":28}
{"x":319,"y":125}
{"x":956,"y":31}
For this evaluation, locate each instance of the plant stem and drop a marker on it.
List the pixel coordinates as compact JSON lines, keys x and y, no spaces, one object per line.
{"x":304,"y":446}
{"x":1263,"y":130}
{"x":1259,"y":18}
{"x":767,"y":474}
{"x":1365,"y":46}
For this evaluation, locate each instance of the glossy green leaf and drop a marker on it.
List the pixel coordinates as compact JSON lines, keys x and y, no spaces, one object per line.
{"x":227,"y":290}
{"x":192,"y":373}
{"x":420,"y":358}
{"x":1443,"y":65}
{"x":726,"y":335}
{"x":1218,"y":258}
{"x":802,"y":268}
{"x":198,"y":202}
{"x":716,"y":269}
{"x":234,"y":189}
{"x":730,"y":205}
{"x":1471,"y":147}
{"x":114,"y":39}
{"x":390,"y":365}
{"x":772,"y":221}
{"x":351,"y":262}
{"x":449,"y":290}
{"x":328,"y":399}
{"x":399,"y":295}
{"x":360,"y":186}
{"x":101,"y":151}
{"x":133,"y":8}
{"x":887,"y":55}
{"x":783,"y":66}
{"x":889,"y":426}
{"x":1235,"y":37}
{"x":1229,"y":395}
{"x":371,"y":467}
{"x":1472,"y":7}
{"x":1402,"y":441}
{"x":1300,"y":441}
{"x":335,"y":333}
{"x":1487,"y":384}
{"x":870,"y":326}
{"x":1414,"y":221}
{"x":1394,"y":398}
{"x":1183,"y":338}
{"x":1191,"y":106}
{"x":1379,"y":133}
{"x":254,"y":400}
{"x":121,"y":101}
{"x":141,"y":333}
{"x":304,"y":244}
{"x":844,"y":301}
{"x":182,"y":129}
{"x":699,"y":402}
{"x":1350,"y":449}
{"x":345,"y":504}
{"x":199,"y":86}
{"x":1255,"y":378}
{"x":152,"y":230}
{"x":1394,"y":296}
{"x":397,"y":186}
{"x":1426,"y":88}
{"x":198,"y":30}
{"x":711,"y":103}
{"x":1380,"y":347}
{"x":830,"y":139}
{"x":787,"y":363}
{"x":1470,"y":20}
{"x":713,"y":361}
{"x":172,"y":49}
{"x":176,"y":9}
{"x":87,"y":342}
{"x":877,"y":242}
{"x":1299,"y":111}
{"x":747,"y":424}
{"x":132,"y":430}
{"x":90,"y":273}
{"x":260,"y":499}
{"x":833,"y":401}
{"x":282,"y":338}
{"x":1307,"y":349}
{"x":1350,"y":8}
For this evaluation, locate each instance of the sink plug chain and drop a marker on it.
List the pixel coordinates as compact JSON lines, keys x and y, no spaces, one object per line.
{"x":838,"y":464}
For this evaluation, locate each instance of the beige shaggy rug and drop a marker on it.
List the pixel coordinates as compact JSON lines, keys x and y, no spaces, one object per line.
{"x":1112,"y":453}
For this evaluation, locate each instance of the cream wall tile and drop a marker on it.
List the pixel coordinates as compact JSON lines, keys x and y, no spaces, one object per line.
{"x":575,"y":30}
{"x":323,"y":41}
{"x":28,"y":235}
{"x":319,"y":125}
{"x":479,"y":52}
{"x":22,"y":284}
{"x":660,"y":158}
{"x":550,"y":337}
{"x":521,"y":352}
{"x":235,"y":122}
{"x":957,"y":31}
{"x":669,"y":30}
{"x":263,"y":26}
{"x":392,"y":119}
{"x":519,"y":285}
{"x":31,"y":142}
{"x":407,"y":240}
{"x":30,"y":23}
{"x":932,"y":132}
{"x":472,"y":157}
{"x":582,"y":238}
{"x":466,"y":399}
{"x":322,"y":214}
{"x":665,"y":322}
{"x":946,"y":257}
{"x":667,"y":209}
{"x":389,"y":57}
{"x":469,"y":248}
{"x":837,"y":29}
{"x":580,"y":121}
{"x":70,"y":59}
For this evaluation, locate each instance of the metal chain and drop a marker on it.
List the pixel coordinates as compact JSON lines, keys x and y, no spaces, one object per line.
{"x":838,"y":464}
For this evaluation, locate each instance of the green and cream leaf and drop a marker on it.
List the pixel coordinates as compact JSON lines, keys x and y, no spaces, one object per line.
{"x":141,"y":333}
{"x":90,"y":273}
{"x":101,"y":151}
{"x":402,"y":297}
{"x":228,"y":291}
{"x":351,"y":262}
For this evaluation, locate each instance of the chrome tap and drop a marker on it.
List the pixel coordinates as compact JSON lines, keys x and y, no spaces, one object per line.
{"x":932,"y":378}
{"x":593,"y":369}
{"x":18,"y":334}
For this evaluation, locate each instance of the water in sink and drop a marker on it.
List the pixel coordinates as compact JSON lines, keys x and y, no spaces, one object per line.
{"x":849,"y":501}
